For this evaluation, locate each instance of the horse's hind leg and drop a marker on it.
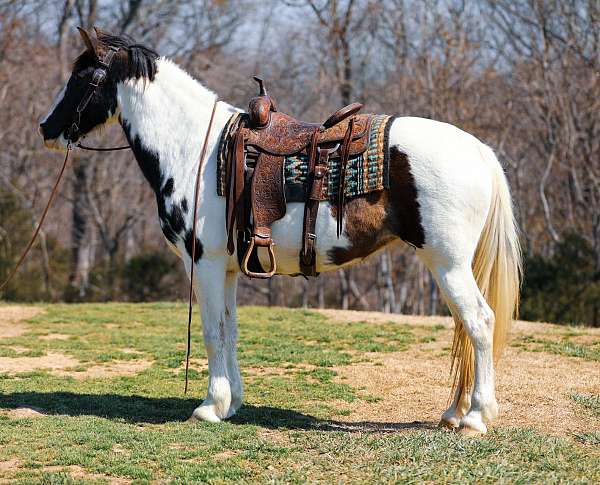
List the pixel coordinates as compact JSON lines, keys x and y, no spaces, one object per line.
{"x":461,"y":402}
{"x":471,"y":312}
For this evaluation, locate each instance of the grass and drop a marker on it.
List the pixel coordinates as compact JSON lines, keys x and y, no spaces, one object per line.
{"x":565,"y":346}
{"x":591,"y":404}
{"x":291,"y":429}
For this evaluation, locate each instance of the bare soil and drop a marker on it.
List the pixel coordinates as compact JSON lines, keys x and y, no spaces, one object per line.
{"x":113,"y":369}
{"x":11,"y":319}
{"x":79,"y":473}
{"x":54,"y":336}
{"x":51,"y":361}
{"x":533,"y":388}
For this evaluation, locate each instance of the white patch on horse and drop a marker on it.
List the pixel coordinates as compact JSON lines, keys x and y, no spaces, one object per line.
{"x":287,"y":234}
{"x":165,"y":115}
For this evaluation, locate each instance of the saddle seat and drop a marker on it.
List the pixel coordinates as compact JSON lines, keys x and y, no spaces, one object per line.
{"x":284,"y":135}
{"x":255,"y":194}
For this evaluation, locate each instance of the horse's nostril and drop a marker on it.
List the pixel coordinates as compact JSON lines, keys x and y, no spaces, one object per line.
{"x":41,"y":129}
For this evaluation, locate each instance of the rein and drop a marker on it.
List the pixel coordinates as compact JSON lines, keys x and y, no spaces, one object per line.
{"x":196,"y":192}
{"x":98,"y":77}
{"x":102,"y":149}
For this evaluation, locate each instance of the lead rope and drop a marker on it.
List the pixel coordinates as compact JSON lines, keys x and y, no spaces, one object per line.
{"x":196,"y":192}
{"x":39,"y":226}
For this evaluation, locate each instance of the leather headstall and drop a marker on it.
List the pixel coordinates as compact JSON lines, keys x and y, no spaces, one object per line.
{"x":98,"y":77}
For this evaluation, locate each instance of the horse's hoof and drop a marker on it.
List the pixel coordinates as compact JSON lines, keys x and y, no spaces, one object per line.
{"x":468,"y":431}
{"x":472,"y":426}
{"x":204,"y":413}
{"x":448,"y":424}
{"x":232,"y":411}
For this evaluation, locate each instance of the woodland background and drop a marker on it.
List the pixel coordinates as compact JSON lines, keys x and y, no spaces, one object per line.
{"x":522,"y":75}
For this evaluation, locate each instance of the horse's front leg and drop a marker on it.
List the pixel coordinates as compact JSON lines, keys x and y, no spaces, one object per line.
{"x":233,"y":369}
{"x":210,"y":292}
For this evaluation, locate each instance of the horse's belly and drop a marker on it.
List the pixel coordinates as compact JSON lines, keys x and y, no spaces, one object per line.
{"x":287,"y":235}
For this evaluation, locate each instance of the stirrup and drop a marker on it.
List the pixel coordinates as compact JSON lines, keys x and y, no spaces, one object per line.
{"x":273,"y":264}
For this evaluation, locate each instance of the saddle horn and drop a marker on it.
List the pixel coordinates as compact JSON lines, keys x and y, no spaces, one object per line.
{"x":261,"y":86}
{"x":261,"y":106}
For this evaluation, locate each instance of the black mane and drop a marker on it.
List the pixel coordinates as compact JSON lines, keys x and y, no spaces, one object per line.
{"x":140,"y":61}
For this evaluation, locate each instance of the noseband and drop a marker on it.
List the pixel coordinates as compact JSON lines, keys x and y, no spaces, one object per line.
{"x":98,"y":77}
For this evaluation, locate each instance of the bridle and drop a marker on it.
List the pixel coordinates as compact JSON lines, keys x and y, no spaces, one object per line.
{"x":98,"y":77}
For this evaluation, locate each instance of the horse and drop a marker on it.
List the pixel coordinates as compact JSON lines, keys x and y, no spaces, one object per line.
{"x":448,"y":198}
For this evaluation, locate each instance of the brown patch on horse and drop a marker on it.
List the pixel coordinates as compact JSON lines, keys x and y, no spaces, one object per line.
{"x":374,"y":219}
{"x":365,"y":227}
{"x":404,"y":210}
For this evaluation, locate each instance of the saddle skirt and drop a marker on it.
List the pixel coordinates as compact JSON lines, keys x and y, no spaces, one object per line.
{"x":365,"y":172}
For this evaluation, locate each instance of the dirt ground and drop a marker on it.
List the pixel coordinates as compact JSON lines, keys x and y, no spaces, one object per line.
{"x":533,"y":388}
{"x":11,"y":325}
{"x":11,"y":318}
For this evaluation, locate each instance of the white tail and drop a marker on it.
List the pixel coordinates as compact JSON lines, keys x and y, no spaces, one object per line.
{"x":497,"y":268}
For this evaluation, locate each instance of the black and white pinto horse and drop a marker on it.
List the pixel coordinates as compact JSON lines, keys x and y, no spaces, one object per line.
{"x":448,"y":198}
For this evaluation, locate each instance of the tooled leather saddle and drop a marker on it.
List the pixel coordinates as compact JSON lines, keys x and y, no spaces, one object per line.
{"x":255,"y":195}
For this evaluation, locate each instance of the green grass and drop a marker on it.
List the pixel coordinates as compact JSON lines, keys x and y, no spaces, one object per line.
{"x":292,"y":428}
{"x":591,"y":404}
{"x":566,"y":347}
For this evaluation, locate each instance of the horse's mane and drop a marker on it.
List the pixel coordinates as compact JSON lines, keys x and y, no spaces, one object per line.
{"x":141,"y":60}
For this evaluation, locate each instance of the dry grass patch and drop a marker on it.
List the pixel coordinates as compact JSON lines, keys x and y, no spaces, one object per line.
{"x":77,"y":472}
{"x":8,"y":465}
{"x":113,"y":369}
{"x":11,"y":319}
{"x":345,"y":316}
{"x":25,"y":412}
{"x":51,"y":361}
{"x":54,"y":336}
{"x":533,"y":389}
{"x":274,"y":436}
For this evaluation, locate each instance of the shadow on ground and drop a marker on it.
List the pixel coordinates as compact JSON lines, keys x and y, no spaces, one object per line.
{"x":139,"y":409}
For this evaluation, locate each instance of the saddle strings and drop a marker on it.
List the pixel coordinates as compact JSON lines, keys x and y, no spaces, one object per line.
{"x":195,"y":211}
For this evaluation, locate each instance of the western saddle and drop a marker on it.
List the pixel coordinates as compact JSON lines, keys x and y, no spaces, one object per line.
{"x":255,"y":196}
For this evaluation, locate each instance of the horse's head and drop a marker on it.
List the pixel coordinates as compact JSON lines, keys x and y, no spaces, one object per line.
{"x":89,"y":99}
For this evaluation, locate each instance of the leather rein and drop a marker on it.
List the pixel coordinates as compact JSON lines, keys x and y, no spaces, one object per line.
{"x":98,"y":78}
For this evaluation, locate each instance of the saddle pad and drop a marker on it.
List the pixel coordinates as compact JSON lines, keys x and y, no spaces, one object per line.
{"x":365,"y":173}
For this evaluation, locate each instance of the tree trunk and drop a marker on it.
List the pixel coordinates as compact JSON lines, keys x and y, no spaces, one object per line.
{"x":81,"y":250}
{"x":320,"y":293}
{"x":387,"y":297}
{"x":305,"y":288}
{"x":345,"y":289}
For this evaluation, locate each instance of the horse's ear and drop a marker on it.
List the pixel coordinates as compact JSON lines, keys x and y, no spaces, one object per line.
{"x":99,"y":31}
{"x":90,"y":42}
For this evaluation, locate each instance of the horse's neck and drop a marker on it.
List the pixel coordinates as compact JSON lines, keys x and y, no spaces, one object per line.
{"x":166,"y":121}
